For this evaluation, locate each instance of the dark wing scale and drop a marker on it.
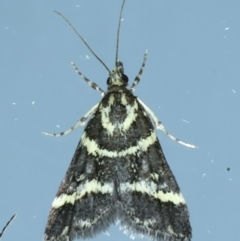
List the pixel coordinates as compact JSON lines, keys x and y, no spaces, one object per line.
{"x":94,"y":207}
{"x":136,"y":209}
{"x":139,"y":211}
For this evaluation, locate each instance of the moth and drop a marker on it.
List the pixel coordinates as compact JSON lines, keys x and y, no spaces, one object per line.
{"x":118,"y":172}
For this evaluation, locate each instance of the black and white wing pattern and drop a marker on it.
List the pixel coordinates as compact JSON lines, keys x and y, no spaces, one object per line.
{"x":119,"y":173}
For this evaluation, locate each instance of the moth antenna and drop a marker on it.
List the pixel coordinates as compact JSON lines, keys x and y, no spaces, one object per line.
{"x":84,"y":41}
{"x":118,"y":32}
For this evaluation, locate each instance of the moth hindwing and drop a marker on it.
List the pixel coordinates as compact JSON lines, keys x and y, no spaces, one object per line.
{"x":118,"y":172}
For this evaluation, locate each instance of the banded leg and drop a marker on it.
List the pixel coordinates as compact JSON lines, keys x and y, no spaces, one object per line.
{"x":160,"y":126}
{"x":81,"y":122}
{"x":138,"y":77}
{"x":91,"y":84}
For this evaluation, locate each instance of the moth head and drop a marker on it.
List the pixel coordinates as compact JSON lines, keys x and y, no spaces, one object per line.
{"x":117,"y":76}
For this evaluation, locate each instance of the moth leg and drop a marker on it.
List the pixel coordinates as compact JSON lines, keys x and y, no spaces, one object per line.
{"x":79,"y":123}
{"x":91,"y":83}
{"x":138,"y":77}
{"x":160,"y":126}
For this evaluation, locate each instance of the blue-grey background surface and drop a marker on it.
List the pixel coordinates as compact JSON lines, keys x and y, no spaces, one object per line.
{"x":191,"y":82}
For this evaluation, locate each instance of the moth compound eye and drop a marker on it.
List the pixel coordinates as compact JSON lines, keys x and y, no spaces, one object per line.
{"x":125,"y":79}
{"x":108,"y":81}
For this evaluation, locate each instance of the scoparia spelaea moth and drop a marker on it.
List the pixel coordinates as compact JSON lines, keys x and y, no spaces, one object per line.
{"x":118,"y":172}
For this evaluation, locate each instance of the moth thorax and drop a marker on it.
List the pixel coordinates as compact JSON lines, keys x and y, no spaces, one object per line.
{"x":117,"y":77}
